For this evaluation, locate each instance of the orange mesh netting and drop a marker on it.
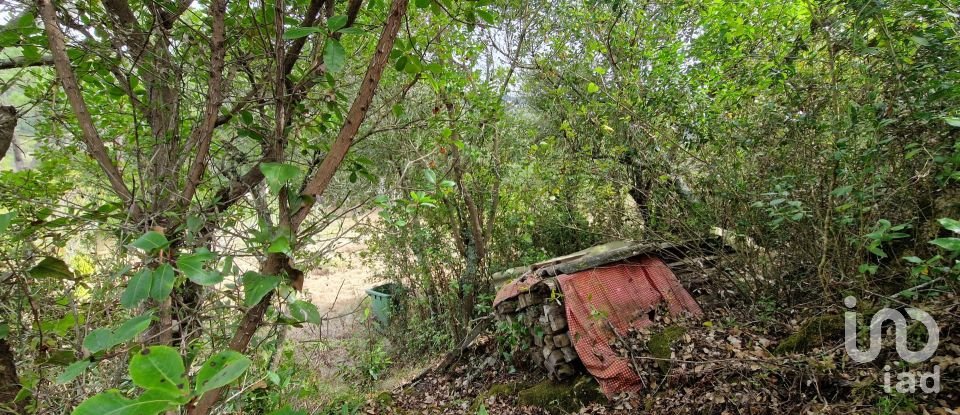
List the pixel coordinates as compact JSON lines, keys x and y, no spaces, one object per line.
{"x":619,"y":296}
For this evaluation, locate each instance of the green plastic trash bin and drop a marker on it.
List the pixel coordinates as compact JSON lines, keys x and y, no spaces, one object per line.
{"x":381,"y":301}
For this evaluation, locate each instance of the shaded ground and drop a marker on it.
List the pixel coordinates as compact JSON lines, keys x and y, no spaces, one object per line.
{"x":728,"y":363}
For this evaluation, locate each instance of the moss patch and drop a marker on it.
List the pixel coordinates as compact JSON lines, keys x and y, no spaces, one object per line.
{"x":384,"y":399}
{"x":499,"y":389}
{"x":560,"y":398}
{"x":814,"y":332}
{"x":659,"y":345}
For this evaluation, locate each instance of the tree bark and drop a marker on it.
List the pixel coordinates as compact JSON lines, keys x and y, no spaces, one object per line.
{"x":204,"y":134}
{"x":9,"y":381}
{"x":279,"y":264}
{"x":8,"y":124}
{"x":358,"y":111}
{"x":71,"y":88}
{"x":22,"y":62}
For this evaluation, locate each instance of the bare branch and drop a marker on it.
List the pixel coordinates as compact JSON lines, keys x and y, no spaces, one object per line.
{"x":21,"y":62}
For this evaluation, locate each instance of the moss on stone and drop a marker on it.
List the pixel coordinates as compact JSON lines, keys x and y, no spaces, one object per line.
{"x":659,"y":344}
{"x":561,"y":398}
{"x":814,"y":332}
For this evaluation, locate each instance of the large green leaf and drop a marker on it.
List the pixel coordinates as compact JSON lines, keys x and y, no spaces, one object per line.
{"x":192,"y":266}
{"x":72,"y":371}
{"x":113,"y":403}
{"x":305,"y":311}
{"x":104,"y":338}
{"x":298,"y":32}
{"x":220,"y":369}
{"x":255,"y":286}
{"x":334,"y":57}
{"x":132,"y":328}
{"x":50,"y":267}
{"x":151,"y":241}
{"x":98,"y":340}
{"x":336,"y":22}
{"x":951,"y":225}
{"x":278,"y":174}
{"x":138,"y":289}
{"x":6,"y":219}
{"x":950,"y":244}
{"x":162,"y":282}
{"x":159,"y":368}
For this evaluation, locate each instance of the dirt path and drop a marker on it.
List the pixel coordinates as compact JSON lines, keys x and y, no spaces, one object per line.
{"x":338,"y":292}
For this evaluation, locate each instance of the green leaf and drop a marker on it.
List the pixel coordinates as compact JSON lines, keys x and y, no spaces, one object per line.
{"x":131,"y":328}
{"x":192,"y":266}
{"x":305,"y":311}
{"x":334,"y":57}
{"x":430,"y":175}
{"x":98,"y":340}
{"x":950,"y":244}
{"x":113,"y":403}
{"x":151,"y":241}
{"x":352,"y":30}
{"x":951,"y":225}
{"x":51,"y":267}
{"x":278,"y":174}
{"x":138,"y":289}
{"x":336,"y":22}
{"x":159,"y":368}
{"x":592,"y":88}
{"x":422,"y":4}
{"x":280,"y":244}
{"x":920,"y":40}
{"x":953,"y":121}
{"x":274,"y":378}
{"x":162,"y":284}
{"x":842,"y":191}
{"x":6,"y":219}
{"x":255,"y":286}
{"x":299,"y":32}
{"x":220,"y":370}
{"x":71,"y":372}
{"x":486,"y":16}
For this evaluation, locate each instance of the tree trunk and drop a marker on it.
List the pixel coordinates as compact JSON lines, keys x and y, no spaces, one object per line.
{"x":9,"y":381}
{"x":8,"y":123}
{"x":640,"y":185}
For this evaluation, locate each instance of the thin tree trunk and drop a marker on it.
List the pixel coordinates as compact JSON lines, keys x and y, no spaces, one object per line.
{"x":9,"y":381}
{"x":71,"y":88}
{"x":8,"y":124}
{"x":279,"y":264}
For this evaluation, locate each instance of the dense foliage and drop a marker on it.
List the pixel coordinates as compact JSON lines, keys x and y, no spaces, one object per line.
{"x":179,"y":166}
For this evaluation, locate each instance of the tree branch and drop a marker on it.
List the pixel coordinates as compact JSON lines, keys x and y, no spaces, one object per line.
{"x":318,"y":183}
{"x":71,"y":88}
{"x":21,"y":62}
{"x":8,"y":123}
{"x":204,"y":134}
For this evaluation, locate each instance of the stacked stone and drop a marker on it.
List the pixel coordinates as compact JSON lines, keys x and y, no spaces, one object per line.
{"x":542,"y":312}
{"x":540,"y":308}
